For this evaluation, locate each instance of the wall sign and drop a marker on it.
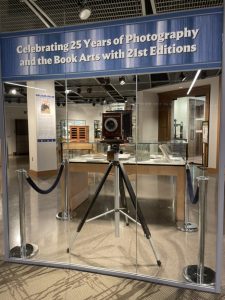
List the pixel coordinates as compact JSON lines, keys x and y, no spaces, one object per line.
{"x":45,"y":118}
{"x":148,"y":44}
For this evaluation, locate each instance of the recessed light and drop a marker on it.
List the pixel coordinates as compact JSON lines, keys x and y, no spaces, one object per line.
{"x":84,"y":13}
{"x":194,"y":80}
{"x":122,"y":80}
{"x":13,"y":91}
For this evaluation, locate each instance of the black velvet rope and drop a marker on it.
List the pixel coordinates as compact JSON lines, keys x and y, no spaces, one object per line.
{"x":40,"y":191}
{"x":193,"y":197}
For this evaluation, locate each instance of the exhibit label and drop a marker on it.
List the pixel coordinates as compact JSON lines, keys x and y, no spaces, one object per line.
{"x":149,"y":44}
{"x":45,"y":118}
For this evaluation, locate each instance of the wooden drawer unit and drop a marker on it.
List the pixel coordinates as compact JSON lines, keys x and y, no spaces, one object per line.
{"x":79,"y":134}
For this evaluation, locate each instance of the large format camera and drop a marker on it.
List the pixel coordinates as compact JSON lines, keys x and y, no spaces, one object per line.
{"x":117,"y":126}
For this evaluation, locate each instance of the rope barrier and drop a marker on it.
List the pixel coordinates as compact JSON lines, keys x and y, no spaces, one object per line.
{"x":194,"y":197}
{"x":41,"y":191}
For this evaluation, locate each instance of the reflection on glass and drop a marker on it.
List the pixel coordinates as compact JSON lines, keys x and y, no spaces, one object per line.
{"x":100,"y":235}
{"x":173,"y":129}
{"x":169,"y":129}
{"x":31,"y":118}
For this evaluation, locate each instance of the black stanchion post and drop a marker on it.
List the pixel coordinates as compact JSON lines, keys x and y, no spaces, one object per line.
{"x":24,"y":250}
{"x":199,"y":273}
{"x":64,"y":215}
{"x":22,"y":214}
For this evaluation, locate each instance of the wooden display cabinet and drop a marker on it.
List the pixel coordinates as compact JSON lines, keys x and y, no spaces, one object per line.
{"x":79,"y":134}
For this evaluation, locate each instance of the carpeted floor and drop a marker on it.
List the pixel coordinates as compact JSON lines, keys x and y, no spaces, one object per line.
{"x":22,"y":282}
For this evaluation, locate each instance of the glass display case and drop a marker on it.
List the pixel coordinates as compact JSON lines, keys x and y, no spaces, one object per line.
{"x":173,"y":152}
{"x":154,"y":182}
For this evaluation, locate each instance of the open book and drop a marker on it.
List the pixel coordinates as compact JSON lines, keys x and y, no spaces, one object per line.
{"x":165,"y":152}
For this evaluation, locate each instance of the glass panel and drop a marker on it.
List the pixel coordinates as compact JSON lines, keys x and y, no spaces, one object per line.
{"x":155,"y":135}
{"x":31,"y":115}
{"x":1,"y":185}
{"x":101,"y":113}
{"x":176,"y":132}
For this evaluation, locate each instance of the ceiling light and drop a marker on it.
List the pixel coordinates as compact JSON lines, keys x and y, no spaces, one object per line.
{"x":122,"y":80}
{"x":13,"y":91}
{"x":28,"y":86}
{"x":89,"y":90}
{"x":182,"y":77}
{"x":193,"y":82}
{"x":85,"y":11}
{"x":68,"y":91}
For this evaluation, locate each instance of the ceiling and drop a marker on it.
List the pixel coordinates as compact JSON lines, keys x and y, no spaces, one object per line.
{"x":105,"y":90}
{"x":16,"y":15}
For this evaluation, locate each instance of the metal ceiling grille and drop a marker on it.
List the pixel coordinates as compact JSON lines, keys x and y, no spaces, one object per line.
{"x":15,"y":15}
{"x":169,"y":5}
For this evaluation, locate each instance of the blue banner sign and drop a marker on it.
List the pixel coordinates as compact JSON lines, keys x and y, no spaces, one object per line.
{"x":150,"y":44}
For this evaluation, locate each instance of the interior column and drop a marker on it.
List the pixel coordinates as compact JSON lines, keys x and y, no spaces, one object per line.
{"x":42,"y":126}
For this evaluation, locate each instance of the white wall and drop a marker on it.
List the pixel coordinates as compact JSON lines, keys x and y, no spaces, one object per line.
{"x":81,"y":112}
{"x":147,"y":119}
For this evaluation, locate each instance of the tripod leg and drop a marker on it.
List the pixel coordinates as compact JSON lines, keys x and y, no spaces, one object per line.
{"x":134,"y":202}
{"x":95,"y":196}
{"x":123,"y":198}
{"x":137,"y":207}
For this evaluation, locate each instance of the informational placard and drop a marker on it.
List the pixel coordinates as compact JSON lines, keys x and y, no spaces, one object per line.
{"x":149,"y":44}
{"x":205,"y":132}
{"x":46,"y":131}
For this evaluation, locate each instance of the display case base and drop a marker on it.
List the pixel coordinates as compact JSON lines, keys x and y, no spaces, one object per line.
{"x":191,"y":274}
{"x":63,"y":216}
{"x":187,"y":227}
{"x":31,"y":250}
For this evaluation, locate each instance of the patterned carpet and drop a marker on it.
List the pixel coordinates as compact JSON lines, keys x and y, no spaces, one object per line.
{"x":22,"y":282}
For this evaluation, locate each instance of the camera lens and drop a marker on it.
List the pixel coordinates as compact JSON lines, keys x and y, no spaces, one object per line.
{"x":111,"y":124}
